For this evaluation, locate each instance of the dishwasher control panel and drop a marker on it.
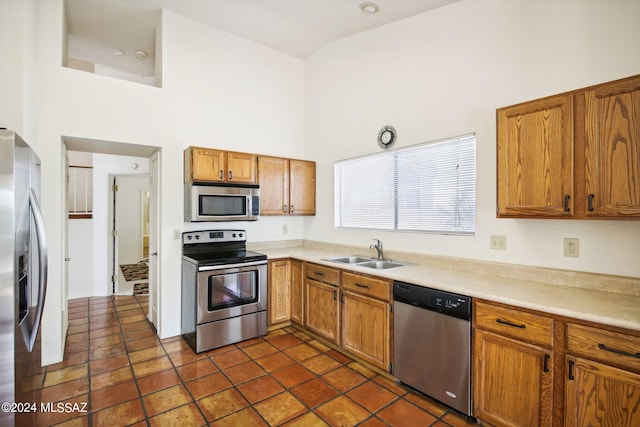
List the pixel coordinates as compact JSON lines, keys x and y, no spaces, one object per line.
{"x":432,"y":299}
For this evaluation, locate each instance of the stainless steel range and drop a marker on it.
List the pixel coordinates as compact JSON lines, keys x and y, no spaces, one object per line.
{"x":224,"y":289}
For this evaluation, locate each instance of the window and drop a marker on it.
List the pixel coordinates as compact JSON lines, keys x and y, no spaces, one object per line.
{"x":428,"y":187}
{"x":80,"y":192}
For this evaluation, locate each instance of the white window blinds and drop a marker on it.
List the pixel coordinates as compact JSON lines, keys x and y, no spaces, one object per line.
{"x":425,"y":188}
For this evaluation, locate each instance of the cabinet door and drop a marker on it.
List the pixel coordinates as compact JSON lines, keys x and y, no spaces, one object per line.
{"x":279,"y":291}
{"x":297,"y":295}
{"x":273,"y":177}
{"x":600,"y":395}
{"x":322,"y":309}
{"x":612,"y":152}
{"x":365,"y":328}
{"x":302,"y":187}
{"x":513,"y":381}
{"x":535,"y":158}
{"x":242,"y":167}
{"x":207,"y":164}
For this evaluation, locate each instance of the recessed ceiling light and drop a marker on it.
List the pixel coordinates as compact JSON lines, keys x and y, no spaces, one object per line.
{"x":117,"y":52}
{"x":369,"y":8}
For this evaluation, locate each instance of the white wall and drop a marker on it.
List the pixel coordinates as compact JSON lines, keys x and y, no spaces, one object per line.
{"x":218,"y":91}
{"x":444,"y":73}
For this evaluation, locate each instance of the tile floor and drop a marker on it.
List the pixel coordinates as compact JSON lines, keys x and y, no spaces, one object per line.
{"x":125,"y":375}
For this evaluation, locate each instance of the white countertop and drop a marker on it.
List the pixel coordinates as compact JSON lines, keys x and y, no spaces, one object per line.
{"x":598,"y":306}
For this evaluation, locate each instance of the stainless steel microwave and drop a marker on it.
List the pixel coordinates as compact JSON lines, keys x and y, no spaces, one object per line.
{"x":221,"y":202}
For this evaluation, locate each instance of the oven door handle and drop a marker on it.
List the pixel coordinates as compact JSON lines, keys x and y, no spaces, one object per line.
{"x":227,"y":266}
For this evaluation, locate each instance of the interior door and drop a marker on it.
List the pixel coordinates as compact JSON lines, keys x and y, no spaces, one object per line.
{"x":154,"y":236}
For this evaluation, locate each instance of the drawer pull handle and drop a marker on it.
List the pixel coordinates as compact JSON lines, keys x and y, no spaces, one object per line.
{"x":362,"y":286}
{"x":620,"y":352}
{"x":335,"y":295}
{"x":319,"y":273}
{"x":504,"y":322}
{"x":545,"y":368}
{"x":566,"y":203}
{"x":571,"y":377}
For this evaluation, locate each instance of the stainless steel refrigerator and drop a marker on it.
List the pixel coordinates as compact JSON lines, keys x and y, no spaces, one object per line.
{"x":23,"y":279}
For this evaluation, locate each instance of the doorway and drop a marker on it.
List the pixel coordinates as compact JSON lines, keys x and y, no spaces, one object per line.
{"x":115,"y":159}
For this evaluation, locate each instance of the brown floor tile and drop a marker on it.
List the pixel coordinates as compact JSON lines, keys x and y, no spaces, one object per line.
{"x":250,"y":342}
{"x":126,"y":327}
{"x":75,"y":422}
{"x":210,"y":384}
{"x":132,"y":319}
{"x":260,"y":389}
{"x":77,"y":404}
{"x":76,"y":338}
{"x":142,"y":343}
{"x":175,"y":346}
{"x":372,"y":396}
{"x":197,"y":369}
{"x":292,"y":375}
{"x":222,"y":404}
{"x":342,"y":411}
{"x":70,"y":360}
{"x":107,"y":351}
{"x":106,"y":340}
{"x":244,"y":372}
{"x":158,"y":381}
{"x":390,"y":385}
{"x":166,"y":399}
{"x":458,"y":420}
{"x":146,"y":354}
{"x":245,"y":417}
{"x":139,"y":334}
{"x":375,"y":422}
{"x":259,"y":350}
{"x":321,"y":364}
{"x":152,"y":366}
{"x":125,"y":413}
{"x":301,"y":335}
{"x":109,"y":330}
{"x":185,"y":356}
{"x":187,"y":415}
{"x":76,"y":347}
{"x":301,"y":352}
{"x":78,"y":329}
{"x":344,"y":378}
{"x":65,"y":390}
{"x":108,"y":364}
{"x":109,"y":378}
{"x":402,"y":413}
{"x":340,"y":357}
{"x":319,"y":346}
{"x":229,"y":358}
{"x":424,"y":402}
{"x":109,"y":396}
{"x":285,"y":341}
{"x":275,"y":361}
{"x":65,"y":374}
{"x":359,"y":367}
{"x":280,"y":408}
{"x":307,"y":420}
{"x":314,"y":392}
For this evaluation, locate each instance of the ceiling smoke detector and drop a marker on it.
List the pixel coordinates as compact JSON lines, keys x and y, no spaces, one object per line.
{"x":369,"y":8}
{"x":141,"y":55}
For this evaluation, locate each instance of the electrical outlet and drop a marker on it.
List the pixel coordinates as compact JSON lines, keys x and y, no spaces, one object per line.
{"x":571,"y":247}
{"x":176,"y":234}
{"x":498,"y":242}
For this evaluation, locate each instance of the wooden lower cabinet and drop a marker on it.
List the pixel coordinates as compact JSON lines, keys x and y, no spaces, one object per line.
{"x":321,"y":307}
{"x":601,"y":395}
{"x":365,"y":328}
{"x":279,"y":291}
{"x":513,"y":381}
{"x":297,"y":293}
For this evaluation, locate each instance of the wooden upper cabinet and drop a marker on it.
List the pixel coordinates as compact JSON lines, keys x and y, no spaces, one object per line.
{"x":612,"y":149}
{"x":573,"y":155}
{"x":302,"y":187}
{"x":206,"y":164}
{"x":287,"y":186}
{"x":535,"y":158}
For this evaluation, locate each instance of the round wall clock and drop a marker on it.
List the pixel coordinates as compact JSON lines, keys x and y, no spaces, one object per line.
{"x":387,"y":136}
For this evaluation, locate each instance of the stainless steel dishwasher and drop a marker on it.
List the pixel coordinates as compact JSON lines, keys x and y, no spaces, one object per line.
{"x":432,"y":343}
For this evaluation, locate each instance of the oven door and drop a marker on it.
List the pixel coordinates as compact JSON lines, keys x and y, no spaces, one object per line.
{"x":231,"y":290}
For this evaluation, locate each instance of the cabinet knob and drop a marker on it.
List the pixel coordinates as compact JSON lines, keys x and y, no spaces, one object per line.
{"x":292,"y":210}
{"x":285,"y":209}
{"x":221,"y":174}
{"x":230,"y":175}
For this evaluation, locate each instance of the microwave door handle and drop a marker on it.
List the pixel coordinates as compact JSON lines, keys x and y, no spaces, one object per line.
{"x":42,"y":265}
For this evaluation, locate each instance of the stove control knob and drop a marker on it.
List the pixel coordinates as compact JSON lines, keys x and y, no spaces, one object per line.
{"x":234,"y":235}
{"x":240,"y":235}
{"x":197,"y":237}
{"x":189,"y":237}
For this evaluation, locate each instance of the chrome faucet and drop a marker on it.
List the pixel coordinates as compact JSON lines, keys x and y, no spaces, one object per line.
{"x":378,"y":247}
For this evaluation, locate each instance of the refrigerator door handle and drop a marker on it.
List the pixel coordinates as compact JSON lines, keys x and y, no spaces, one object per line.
{"x":42,"y":263}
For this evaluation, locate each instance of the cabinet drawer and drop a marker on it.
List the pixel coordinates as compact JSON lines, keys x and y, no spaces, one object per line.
{"x":604,"y":346}
{"x":514,"y":323}
{"x":322,"y":273}
{"x":370,"y":286}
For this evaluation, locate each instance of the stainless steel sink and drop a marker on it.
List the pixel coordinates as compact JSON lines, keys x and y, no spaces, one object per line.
{"x":353,"y":259}
{"x":381,"y":265}
{"x":362,"y":261}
